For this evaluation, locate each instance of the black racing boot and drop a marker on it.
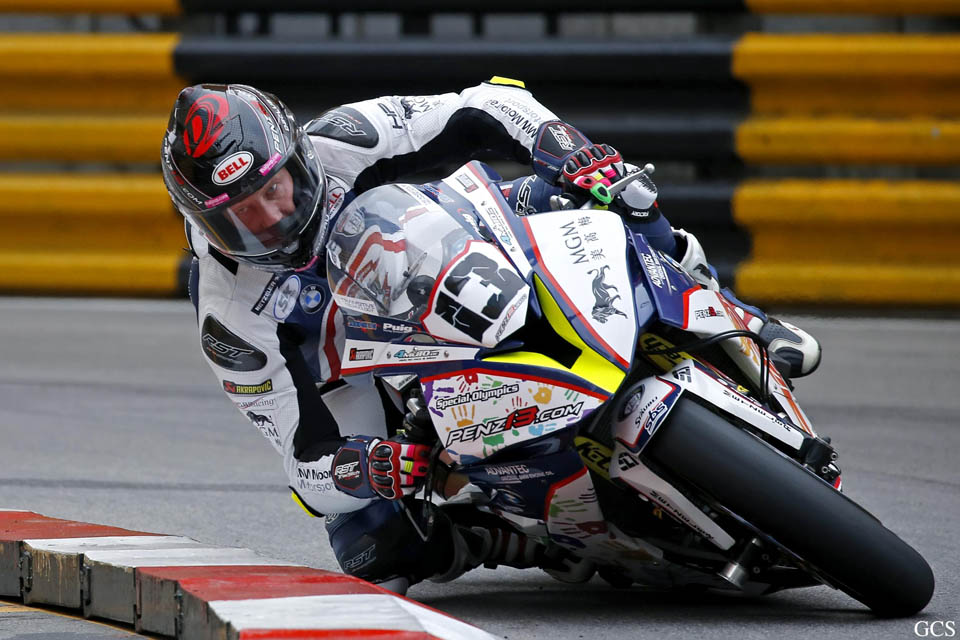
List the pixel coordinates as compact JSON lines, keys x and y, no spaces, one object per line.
{"x":490,"y":547}
{"x":794,"y":351}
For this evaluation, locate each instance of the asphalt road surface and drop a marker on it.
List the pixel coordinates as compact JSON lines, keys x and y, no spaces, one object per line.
{"x":109,"y":414}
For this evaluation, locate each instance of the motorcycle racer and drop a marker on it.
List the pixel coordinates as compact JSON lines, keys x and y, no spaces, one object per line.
{"x":260,"y":194}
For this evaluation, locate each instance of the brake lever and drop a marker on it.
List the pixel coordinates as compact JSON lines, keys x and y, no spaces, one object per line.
{"x":625,"y":181}
{"x":617,"y":187}
{"x":563,"y":202}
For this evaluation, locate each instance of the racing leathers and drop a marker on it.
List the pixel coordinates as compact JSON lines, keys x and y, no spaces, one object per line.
{"x":275,"y":340}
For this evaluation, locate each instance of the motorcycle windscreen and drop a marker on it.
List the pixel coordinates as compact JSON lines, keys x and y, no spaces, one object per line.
{"x":387,"y":249}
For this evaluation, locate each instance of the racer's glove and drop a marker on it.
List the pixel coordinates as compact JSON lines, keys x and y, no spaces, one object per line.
{"x":553,"y":144}
{"x":397,"y":467}
{"x":588,"y":172}
{"x":367,"y":467}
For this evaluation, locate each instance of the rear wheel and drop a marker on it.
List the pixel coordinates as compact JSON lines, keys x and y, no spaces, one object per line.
{"x":801,"y":512}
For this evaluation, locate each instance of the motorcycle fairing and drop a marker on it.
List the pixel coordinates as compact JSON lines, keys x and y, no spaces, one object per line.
{"x":595,"y":455}
{"x":472,"y":182}
{"x":477,"y":298}
{"x":574,"y":520}
{"x":362,"y":356}
{"x":589,"y":366}
{"x":581,"y":257}
{"x":708,"y":313}
{"x":553,"y":495}
{"x":633,"y":472}
{"x":692,"y":377}
{"x":604,"y":274}
{"x":643,"y":302}
{"x":520,"y":487}
{"x":480,"y":411}
{"x":361,"y":331}
{"x":667,"y":282}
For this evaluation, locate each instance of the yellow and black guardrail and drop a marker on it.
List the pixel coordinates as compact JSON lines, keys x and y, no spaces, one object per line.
{"x":178,"y":7}
{"x":102,"y":100}
{"x":834,"y":242}
{"x":908,"y":85}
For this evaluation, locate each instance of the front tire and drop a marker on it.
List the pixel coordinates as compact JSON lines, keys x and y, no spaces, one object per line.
{"x":797,"y":509}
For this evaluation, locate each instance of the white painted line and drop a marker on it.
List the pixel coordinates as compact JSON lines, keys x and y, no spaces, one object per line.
{"x":184,"y":557}
{"x":351,"y":611}
{"x":22,"y":510}
{"x":85,"y":545}
{"x":443,"y":626}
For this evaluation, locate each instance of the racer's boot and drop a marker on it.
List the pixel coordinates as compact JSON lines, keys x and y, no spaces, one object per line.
{"x":457,"y":547}
{"x":490,"y":547}
{"x":795,"y":352}
{"x":397,"y":584}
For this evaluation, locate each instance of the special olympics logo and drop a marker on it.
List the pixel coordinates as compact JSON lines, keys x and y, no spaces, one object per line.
{"x":204,"y":123}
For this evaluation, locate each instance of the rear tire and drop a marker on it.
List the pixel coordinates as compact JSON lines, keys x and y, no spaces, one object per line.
{"x":801,"y":512}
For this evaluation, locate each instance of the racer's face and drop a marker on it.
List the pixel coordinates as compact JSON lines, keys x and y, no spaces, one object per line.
{"x":268,"y":206}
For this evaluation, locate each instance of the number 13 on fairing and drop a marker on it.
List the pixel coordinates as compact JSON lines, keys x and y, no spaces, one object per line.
{"x":477,"y":298}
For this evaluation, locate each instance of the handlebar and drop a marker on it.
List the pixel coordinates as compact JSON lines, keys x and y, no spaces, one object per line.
{"x":564,"y":202}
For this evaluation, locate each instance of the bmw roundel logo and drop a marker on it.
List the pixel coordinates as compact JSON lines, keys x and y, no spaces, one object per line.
{"x":311,"y":298}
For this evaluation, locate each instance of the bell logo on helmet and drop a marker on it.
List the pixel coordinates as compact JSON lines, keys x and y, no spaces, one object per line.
{"x":204,"y":123}
{"x":233,"y":167}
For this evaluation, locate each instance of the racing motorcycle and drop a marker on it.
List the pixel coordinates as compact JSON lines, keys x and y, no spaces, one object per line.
{"x":591,"y":394}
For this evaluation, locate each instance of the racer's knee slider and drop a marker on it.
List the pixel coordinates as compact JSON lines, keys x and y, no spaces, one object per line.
{"x":380,"y":543}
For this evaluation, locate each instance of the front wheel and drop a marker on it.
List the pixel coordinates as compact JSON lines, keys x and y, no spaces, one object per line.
{"x":801,"y":512}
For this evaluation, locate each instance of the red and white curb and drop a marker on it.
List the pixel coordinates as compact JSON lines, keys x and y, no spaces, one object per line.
{"x":175,"y":586}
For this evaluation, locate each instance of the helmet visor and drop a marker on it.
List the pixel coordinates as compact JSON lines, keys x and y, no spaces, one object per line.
{"x":278,"y":202}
